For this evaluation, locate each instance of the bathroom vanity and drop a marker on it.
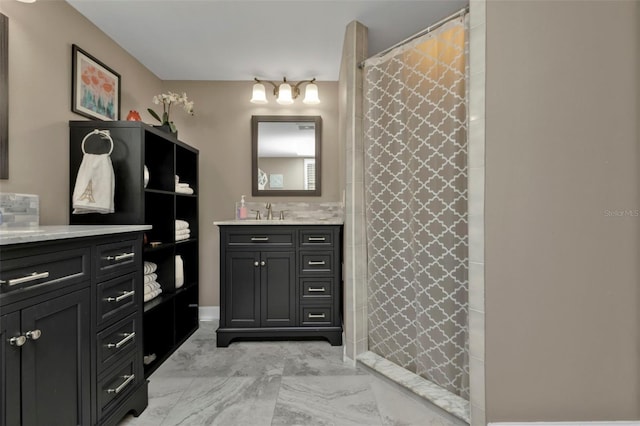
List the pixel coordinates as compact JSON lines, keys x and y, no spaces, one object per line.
{"x":280,"y":279}
{"x":70,"y":325}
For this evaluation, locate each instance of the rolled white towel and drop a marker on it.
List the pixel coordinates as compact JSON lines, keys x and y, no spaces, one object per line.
{"x":181,"y":224}
{"x":149,"y":267}
{"x":150,"y":277}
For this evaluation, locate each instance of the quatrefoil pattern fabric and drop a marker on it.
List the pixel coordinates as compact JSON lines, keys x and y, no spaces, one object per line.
{"x":415,"y":121}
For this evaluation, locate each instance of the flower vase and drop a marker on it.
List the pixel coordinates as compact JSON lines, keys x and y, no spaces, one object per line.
{"x":166,"y":128}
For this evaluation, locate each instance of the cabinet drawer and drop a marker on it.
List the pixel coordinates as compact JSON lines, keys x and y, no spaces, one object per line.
{"x":269,"y":238}
{"x":117,"y":258}
{"x":316,"y":315}
{"x":40,"y":273}
{"x":316,"y":262}
{"x":116,"y":341}
{"x":316,"y":238}
{"x":116,"y":298}
{"x":316,"y":288}
{"x":117,"y":384}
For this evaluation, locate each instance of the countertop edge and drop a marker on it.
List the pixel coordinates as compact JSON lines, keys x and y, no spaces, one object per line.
{"x":59,"y":232}
{"x":293,"y":222}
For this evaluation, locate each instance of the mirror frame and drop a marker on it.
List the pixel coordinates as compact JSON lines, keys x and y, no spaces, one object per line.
{"x":4,"y":97}
{"x":255,"y":119}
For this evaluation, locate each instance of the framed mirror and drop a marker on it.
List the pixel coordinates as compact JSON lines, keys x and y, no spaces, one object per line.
{"x":285,"y":155}
{"x":4,"y":97}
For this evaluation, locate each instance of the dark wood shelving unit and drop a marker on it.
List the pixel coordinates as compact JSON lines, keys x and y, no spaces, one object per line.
{"x":170,"y":318}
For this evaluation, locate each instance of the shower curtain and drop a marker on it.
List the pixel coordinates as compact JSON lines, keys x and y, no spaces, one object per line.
{"x":415,"y":122}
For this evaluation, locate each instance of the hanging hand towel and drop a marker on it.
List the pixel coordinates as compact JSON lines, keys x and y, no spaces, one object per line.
{"x":95,"y":185}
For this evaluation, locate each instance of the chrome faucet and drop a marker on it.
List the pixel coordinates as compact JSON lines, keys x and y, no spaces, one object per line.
{"x":269,"y":212}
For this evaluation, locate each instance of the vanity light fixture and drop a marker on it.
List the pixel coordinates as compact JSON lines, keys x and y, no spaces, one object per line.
{"x":284,"y":92}
{"x":27,"y":1}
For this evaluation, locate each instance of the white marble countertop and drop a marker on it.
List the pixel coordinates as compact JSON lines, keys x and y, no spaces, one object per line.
{"x":306,"y":221}
{"x":29,"y":234}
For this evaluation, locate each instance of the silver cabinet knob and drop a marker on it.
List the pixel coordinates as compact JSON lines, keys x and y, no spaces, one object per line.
{"x":33,"y":334}
{"x":18,"y":341}
{"x":263,"y":263}
{"x":256,"y":263}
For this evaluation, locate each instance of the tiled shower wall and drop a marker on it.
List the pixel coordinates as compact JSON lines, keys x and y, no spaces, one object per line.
{"x":477,"y":37}
{"x":350,"y":130}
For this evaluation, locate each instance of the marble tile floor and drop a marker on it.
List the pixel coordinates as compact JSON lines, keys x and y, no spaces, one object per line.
{"x":279,"y":383}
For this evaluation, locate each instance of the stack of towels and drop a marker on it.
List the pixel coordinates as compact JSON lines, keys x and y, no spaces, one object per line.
{"x":182,"y":230}
{"x":151,"y":287}
{"x":182,"y":187}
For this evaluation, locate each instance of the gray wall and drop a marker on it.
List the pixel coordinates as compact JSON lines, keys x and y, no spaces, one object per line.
{"x":562,"y":274}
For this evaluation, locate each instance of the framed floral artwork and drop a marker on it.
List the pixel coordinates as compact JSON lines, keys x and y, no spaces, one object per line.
{"x":95,"y":88}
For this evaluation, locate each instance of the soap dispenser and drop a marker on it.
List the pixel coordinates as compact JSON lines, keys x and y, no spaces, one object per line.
{"x":243,"y":213}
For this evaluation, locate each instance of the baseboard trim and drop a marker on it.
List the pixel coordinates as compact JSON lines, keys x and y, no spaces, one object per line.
{"x":209,"y":313}
{"x":613,"y":423}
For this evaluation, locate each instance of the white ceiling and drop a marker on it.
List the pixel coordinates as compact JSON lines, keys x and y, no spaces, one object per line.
{"x":242,"y":39}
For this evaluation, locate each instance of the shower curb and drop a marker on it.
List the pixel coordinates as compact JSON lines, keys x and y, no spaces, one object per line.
{"x":441,"y":398}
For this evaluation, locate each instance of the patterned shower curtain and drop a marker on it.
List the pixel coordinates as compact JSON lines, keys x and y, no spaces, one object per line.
{"x":416,"y":206}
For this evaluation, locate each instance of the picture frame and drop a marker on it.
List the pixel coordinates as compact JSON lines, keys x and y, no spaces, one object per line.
{"x":95,"y":87}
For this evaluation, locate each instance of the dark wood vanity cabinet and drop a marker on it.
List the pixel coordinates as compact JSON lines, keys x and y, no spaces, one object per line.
{"x":49,"y":367}
{"x":69,"y":322}
{"x":280,"y":281}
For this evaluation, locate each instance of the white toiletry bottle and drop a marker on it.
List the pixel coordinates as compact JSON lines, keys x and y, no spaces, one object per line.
{"x":242,"y":211}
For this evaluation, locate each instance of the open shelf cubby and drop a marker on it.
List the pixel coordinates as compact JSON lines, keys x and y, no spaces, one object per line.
{"x":170,"y":318}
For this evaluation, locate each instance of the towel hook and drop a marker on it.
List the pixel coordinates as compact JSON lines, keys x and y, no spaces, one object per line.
{"x":104,"y":134}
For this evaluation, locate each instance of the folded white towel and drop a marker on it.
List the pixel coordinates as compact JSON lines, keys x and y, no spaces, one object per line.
{"x":182,"y":237}
{"x":182,"y":185}
{"x":152,"y":295}
{"x":179,"y":271}
{"x":184,"y":190}
{"x":185,"y":231}
{"x":181,"y":224}
{"x":148,"y":278}
{"x":149,"y":267}
{"x":148,"y":288}
{"x":95,"y":185}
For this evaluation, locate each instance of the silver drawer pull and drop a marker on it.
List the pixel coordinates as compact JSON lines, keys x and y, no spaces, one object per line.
{"x":319,"y":262}
{"x":120,"y":257}
{"x":317,"y":239}
{"x":314,"y":316}
{"x":128,"y":379}
{"x":33,"y":334}
{"x":192,"y":305}
{"x":314,"y":289}
{"x":18,"y":341}
{"x":259,"y":238}
{"x":31,"y":277}
{"x":121,"y":297}
{"x":128,"y":336}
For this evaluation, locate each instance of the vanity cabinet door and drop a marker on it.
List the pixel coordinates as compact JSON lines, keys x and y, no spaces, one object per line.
{"x":242,"y":289}
{"x":9,"y":370}
{"x":55,"y":361}
{"x":277,"y":285}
